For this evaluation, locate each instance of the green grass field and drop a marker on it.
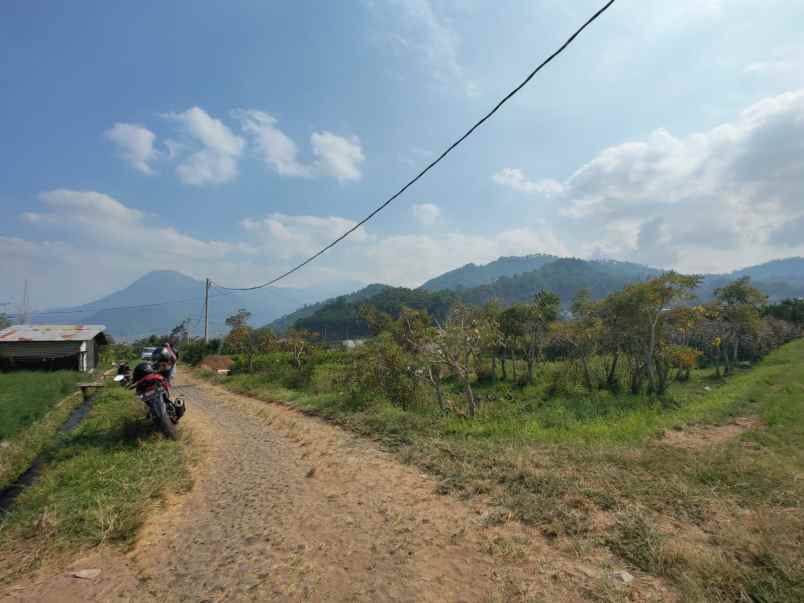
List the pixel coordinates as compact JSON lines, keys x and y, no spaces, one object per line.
{"x":32,"y":408}
{"x":99,"y":483}
{"x":716,"y":511}
{"x":26,"y":397}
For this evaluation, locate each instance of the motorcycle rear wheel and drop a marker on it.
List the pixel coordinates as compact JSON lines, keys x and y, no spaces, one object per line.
{"x":163,"y":421}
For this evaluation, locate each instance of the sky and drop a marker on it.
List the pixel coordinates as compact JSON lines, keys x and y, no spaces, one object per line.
{"x":231,"y":140}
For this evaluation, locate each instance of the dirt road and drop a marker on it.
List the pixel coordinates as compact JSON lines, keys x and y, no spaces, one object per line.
{"x":289,"y":508}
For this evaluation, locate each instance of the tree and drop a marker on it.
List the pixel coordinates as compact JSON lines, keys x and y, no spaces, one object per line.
{"x":180,"y":332}
{"x":249,"y":342}
{"x":581,"y":334}
{"x":457,"y":344}
{"x":415,"y":334}
{"x":297,"y":342}
{"x":512,"y":329}
{"x":492,"y":312}
{"x":4,"y":321}
{"x":238,"y":319}
{"x":537,"y":318}
{"x":739,"y":307}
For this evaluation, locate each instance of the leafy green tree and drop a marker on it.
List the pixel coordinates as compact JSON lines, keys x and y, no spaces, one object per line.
{"x":581,"y":334}
{"x":238,"y":319}
{"x":249,"y":342}
{"x":4,"y":321}
{"x":458,"y":344}
{"x":537,"y":318}
{"x":738,"y":305}
{"x":791,"y":310}
{"x":639,"y":313}
{"x":512,"y":330}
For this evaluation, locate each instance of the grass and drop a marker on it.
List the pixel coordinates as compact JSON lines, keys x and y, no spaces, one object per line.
{"x":26,"y":397}
{"x":99,"y":483}
{"x":720,"y":522}
{"x":32,"y":408}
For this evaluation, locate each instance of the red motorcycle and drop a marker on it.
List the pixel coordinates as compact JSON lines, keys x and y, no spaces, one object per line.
{"x":153,"y":388}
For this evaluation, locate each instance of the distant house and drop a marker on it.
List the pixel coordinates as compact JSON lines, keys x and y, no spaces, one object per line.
{"x":73,"y":347}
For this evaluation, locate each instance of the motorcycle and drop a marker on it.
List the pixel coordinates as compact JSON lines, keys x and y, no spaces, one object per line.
{"x":123,"y":376}
{"x":154,"y":391}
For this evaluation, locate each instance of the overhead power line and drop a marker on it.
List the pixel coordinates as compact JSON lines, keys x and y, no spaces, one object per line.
{"x":433,"y":163}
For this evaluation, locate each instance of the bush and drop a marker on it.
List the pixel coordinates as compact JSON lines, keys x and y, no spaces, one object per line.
{"x":194,"y":352}
{"x":382,"y":368}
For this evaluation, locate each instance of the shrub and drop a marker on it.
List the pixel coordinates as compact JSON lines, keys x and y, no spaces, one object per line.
{"x":194,"y":352}
{"x":382,"y":368}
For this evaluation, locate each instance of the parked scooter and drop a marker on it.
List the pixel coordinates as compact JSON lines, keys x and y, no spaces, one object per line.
{"x":123,"y":376}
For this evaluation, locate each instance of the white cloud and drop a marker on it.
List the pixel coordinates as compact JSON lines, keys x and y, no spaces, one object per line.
{"x":405,"y":259}
{"x":215,"y":162}
{"x":103,"y":222}
{"x":338,"y":156}
{"x":295,"y":236}
{"x":773,"y":67}
{"x":413,"y":28}
{"x":276,"y":148}
{"x":426,"y":213}
{"x":717,"y":196}
{"x":136,"y":145}
{"x":516,"y":179}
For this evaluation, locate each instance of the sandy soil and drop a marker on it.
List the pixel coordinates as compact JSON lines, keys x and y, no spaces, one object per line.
{"x":286,"y":507}
{"x":693,"y":438}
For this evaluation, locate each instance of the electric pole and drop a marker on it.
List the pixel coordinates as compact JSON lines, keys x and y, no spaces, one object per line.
{"x":24,"y":310}
{"x":206,"y":310}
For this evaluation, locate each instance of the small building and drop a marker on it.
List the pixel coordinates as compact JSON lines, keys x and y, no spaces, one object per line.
{"x":71,"y":347}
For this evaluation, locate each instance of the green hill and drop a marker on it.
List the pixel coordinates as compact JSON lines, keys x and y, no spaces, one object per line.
{"x":338,"y":318}
{"x":472,"y":275}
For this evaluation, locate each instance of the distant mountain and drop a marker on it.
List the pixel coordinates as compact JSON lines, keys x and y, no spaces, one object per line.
{"x":786,"y":270}
{"x":564,"y":277}
{"x":472,"y":275}
{"x":281,"y":325}
{"x":338,"y":319}
{"x":156,"y":287}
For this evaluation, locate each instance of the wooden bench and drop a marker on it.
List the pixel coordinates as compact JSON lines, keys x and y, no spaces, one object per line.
{"x":87,"y":389}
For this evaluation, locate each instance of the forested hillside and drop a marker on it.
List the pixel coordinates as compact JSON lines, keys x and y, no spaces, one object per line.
{"x":288,"y":321}
{"x":472,"y":275}
{"x":339,"y":319}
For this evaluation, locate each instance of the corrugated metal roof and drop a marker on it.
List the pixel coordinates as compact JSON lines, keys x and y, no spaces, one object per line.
{"x":51,"y":332}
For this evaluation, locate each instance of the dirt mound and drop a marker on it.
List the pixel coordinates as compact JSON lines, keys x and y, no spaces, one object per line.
{"x":216,"y":363}
{"x":700,"y":436}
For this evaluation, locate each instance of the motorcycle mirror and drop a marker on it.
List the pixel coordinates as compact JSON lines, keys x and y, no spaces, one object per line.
{"x":119,"y":378}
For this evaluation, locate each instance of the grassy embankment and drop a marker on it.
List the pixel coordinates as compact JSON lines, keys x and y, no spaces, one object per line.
{"x":33,"y":405}
{"x":714,"y":509}
{"x":98,"y":485}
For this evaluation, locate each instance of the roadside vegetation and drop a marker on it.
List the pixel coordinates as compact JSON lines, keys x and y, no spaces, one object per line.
{"x":99,"y":483}
{"x":33,"y":405}
{"x":640,"y":429}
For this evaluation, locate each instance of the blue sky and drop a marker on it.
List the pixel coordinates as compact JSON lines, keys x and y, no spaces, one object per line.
{"x":232,"y":139}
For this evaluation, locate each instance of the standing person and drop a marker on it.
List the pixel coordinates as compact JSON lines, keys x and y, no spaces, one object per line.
{"x":175,"y":354}
{"x":165,"y":360}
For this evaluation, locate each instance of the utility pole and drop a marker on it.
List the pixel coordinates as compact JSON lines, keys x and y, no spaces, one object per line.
{"x":24,"y":310}
{"x":206,"y":310}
